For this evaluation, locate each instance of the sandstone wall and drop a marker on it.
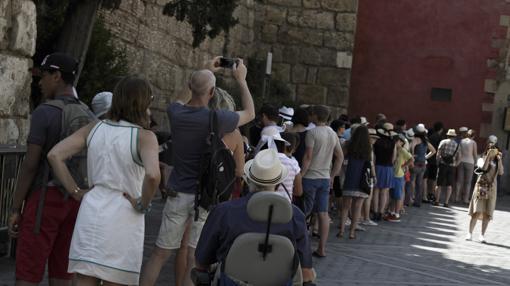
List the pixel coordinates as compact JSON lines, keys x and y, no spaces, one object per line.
{"x":312,"y":43}
{"x":17,"y":45}
{"x":159,"y":46}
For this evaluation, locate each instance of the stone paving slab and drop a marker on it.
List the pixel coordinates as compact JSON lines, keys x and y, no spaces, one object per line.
{"x":426,"y":248}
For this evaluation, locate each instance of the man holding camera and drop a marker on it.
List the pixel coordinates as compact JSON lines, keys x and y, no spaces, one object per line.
{"x":189,"y":121}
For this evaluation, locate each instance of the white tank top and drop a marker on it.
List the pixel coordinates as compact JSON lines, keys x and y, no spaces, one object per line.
{"x":466,"y":150}
{"x":113,"y":161}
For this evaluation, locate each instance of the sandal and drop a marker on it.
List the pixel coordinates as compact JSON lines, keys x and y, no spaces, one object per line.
{"x":317,"y":254}
{"x":340,"y":234}
{"x":352,"y":236}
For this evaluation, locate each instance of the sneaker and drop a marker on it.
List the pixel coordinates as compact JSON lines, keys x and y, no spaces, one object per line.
{"x":469,"y":237}
{"x":369,"y":223}
{"x":348,"y":222}
{"x":392,"y":218}
{"x":482,"y":239}
{"x":360,"y":228}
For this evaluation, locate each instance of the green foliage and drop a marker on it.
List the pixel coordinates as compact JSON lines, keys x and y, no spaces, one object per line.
{"x":208,"y":18}
{"x":103,"y":65}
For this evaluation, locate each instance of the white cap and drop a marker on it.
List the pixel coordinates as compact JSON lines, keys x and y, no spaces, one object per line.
{"x":364,"y":121}
{"x":493,"y":139}
{"x":420,"y":128}
{"x":463,"y":129}
{"x":101,"y":103}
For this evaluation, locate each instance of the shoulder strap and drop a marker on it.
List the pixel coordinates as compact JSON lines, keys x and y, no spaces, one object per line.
{"x":286,"y":191}
{"x":134,"y":146}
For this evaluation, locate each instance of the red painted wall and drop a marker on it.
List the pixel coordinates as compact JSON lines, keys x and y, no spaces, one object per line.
{"x":403,"y":48}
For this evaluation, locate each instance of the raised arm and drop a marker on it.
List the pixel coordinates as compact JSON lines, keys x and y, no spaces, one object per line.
{"x":65,"y":149}
{"x":248,"y":113}
{"x":432,"y":151}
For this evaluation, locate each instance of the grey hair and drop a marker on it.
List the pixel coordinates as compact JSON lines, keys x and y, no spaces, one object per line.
{"x":201,"y":82}
{"x":222,"y":100}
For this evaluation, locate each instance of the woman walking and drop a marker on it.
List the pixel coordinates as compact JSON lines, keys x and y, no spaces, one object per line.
{"x":358,"y":175}
{"x":122,"y":162}
{"x":483,"y":201}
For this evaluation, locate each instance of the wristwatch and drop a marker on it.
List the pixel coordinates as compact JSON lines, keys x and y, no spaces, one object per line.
{"x":139,"y":206}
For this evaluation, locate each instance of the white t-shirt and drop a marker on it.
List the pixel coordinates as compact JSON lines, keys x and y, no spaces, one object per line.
{"x":467,"y":150}
{"x":293,"y":166}
{"x":323,"y":141}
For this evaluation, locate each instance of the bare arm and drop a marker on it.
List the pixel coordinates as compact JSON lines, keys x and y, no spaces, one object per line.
{"x":149,"y":154}
{"x":27,"y":174}
{"x":248,"y":113}
{"x":501,"y":168}
{"x":239,"y":153}
{"x":298,"y":185}
{"x":339,"y":160}
{"x":65,"y":149}
{"x":475,"y":151}
{"x":432,"y":151}
{"x":307,"y":159}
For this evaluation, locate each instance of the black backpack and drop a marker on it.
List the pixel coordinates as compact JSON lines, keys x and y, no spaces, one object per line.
{"x":217,"y":170}
{"x":449,"y":158}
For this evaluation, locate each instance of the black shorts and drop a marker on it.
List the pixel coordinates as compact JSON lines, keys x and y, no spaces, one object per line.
{"x":337,"y":187}
{"x":431,"y":172}
{"x":445,"y":176}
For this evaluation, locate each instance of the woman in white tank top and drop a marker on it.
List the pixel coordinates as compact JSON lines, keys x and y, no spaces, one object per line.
{"x":468,"y":155}
{"x":123,"y":175}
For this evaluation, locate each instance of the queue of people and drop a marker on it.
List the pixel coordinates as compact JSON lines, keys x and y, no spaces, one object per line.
{"x":89,"y":178}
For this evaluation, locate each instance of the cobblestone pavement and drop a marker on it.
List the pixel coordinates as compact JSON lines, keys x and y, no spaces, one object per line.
{"x":426,"y":248}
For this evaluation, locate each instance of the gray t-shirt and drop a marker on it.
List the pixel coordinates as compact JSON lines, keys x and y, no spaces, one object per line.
{"x":190,"y":128}
{"x":323,"y":141}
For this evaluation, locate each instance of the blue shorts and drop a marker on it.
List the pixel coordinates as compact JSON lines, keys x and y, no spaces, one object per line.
{"x":398,"y":187}
{"x":384,"y":176}
{"x":316,"y":195}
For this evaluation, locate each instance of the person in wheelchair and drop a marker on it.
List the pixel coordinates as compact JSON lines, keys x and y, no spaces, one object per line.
{"x":259,"y":239}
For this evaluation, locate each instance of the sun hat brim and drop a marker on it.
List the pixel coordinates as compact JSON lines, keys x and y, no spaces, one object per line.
{"x":275,"y":181}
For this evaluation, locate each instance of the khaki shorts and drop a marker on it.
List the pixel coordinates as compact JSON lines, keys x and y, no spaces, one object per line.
{"x":176,"y":213}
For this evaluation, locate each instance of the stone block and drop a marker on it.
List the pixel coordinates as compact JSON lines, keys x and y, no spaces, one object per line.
{"x":24,"y":30}
{"x":344,"y":60}
{"x":291,"y":54}
{"x":311,"y":19}
{"x":299,"y":74}
{"x":311,"y":75}
{"x":311,"y":94}
{"x":289,"y":3}
{"x":340,"y":5}
{"x":333,"y":77}
{"x":346,"y":22}
{"x":10,"y":132}
{"x":314,"y":4}
{"x":310,"y":56}
{"x":327,"y":57}
{"x":289,"y":35}
{"x":15,"y":82}
{"x":339,"y":40}
{"x":269,"y":33}
{"x":504,"y":20}
{"x":275,"y":15}
{"x":281,"y":72}
{"x":3,"y":8}
{"x":3,"y":33}
{"x":292,"y":90}
{"x":338,"y":96}
{"x":490,"y":86}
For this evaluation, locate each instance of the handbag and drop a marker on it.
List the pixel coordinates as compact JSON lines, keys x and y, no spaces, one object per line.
{"x":366,"y":183}
{"x":484,"y":185}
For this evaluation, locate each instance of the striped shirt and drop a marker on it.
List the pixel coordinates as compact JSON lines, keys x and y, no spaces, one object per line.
{"x":292,"y":165}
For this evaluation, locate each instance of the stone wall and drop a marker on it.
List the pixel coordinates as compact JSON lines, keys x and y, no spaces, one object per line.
{"x":312,"y":43}
{"x":17,"y":45}
{"x":159,"y":47}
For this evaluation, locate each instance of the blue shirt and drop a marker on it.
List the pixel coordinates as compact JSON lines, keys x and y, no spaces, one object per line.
{"x":230,"y":219}
{"x":190,"y":128}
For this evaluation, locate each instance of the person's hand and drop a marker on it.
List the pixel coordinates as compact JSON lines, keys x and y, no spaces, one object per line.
{"x":131,"y":200}
{"x":331,"y":181}
{"x":78,"y":196}
{"x":239,"y":70}
{"x":13,"y":224}
{"x":214,"y":64}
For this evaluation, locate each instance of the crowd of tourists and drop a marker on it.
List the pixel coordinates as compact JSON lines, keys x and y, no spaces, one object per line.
{"x":88,"y":178}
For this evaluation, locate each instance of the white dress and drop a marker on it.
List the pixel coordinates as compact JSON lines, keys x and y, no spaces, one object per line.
{"x":108,"y":236}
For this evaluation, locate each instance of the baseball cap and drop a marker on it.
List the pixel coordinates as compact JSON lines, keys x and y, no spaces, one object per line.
{"x":60,"y":62}
{"x":101,"y":103}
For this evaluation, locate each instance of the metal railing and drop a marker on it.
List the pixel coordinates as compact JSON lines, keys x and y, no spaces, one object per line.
{"x":11,"y":157}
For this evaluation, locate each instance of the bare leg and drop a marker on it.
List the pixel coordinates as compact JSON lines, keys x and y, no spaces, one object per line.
{"x":191,"y":263}
{"x":83,"y":280}
{"x":375,"y":200}
{"x":366,"y":207}
{"x":324,"y":231}
{"x":181,"y":258}
{"x":105,"y":283}
{"x":339,"y":207}
{"x":485,"y":224}
{"x":448,"y":194}
{"x":472,"y":223}
{"x":358,"y":202}
{"x":346,"y":205}
{"x":438,"y":194}
{"x":384,"y":200}
{"x":151,"y":270}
